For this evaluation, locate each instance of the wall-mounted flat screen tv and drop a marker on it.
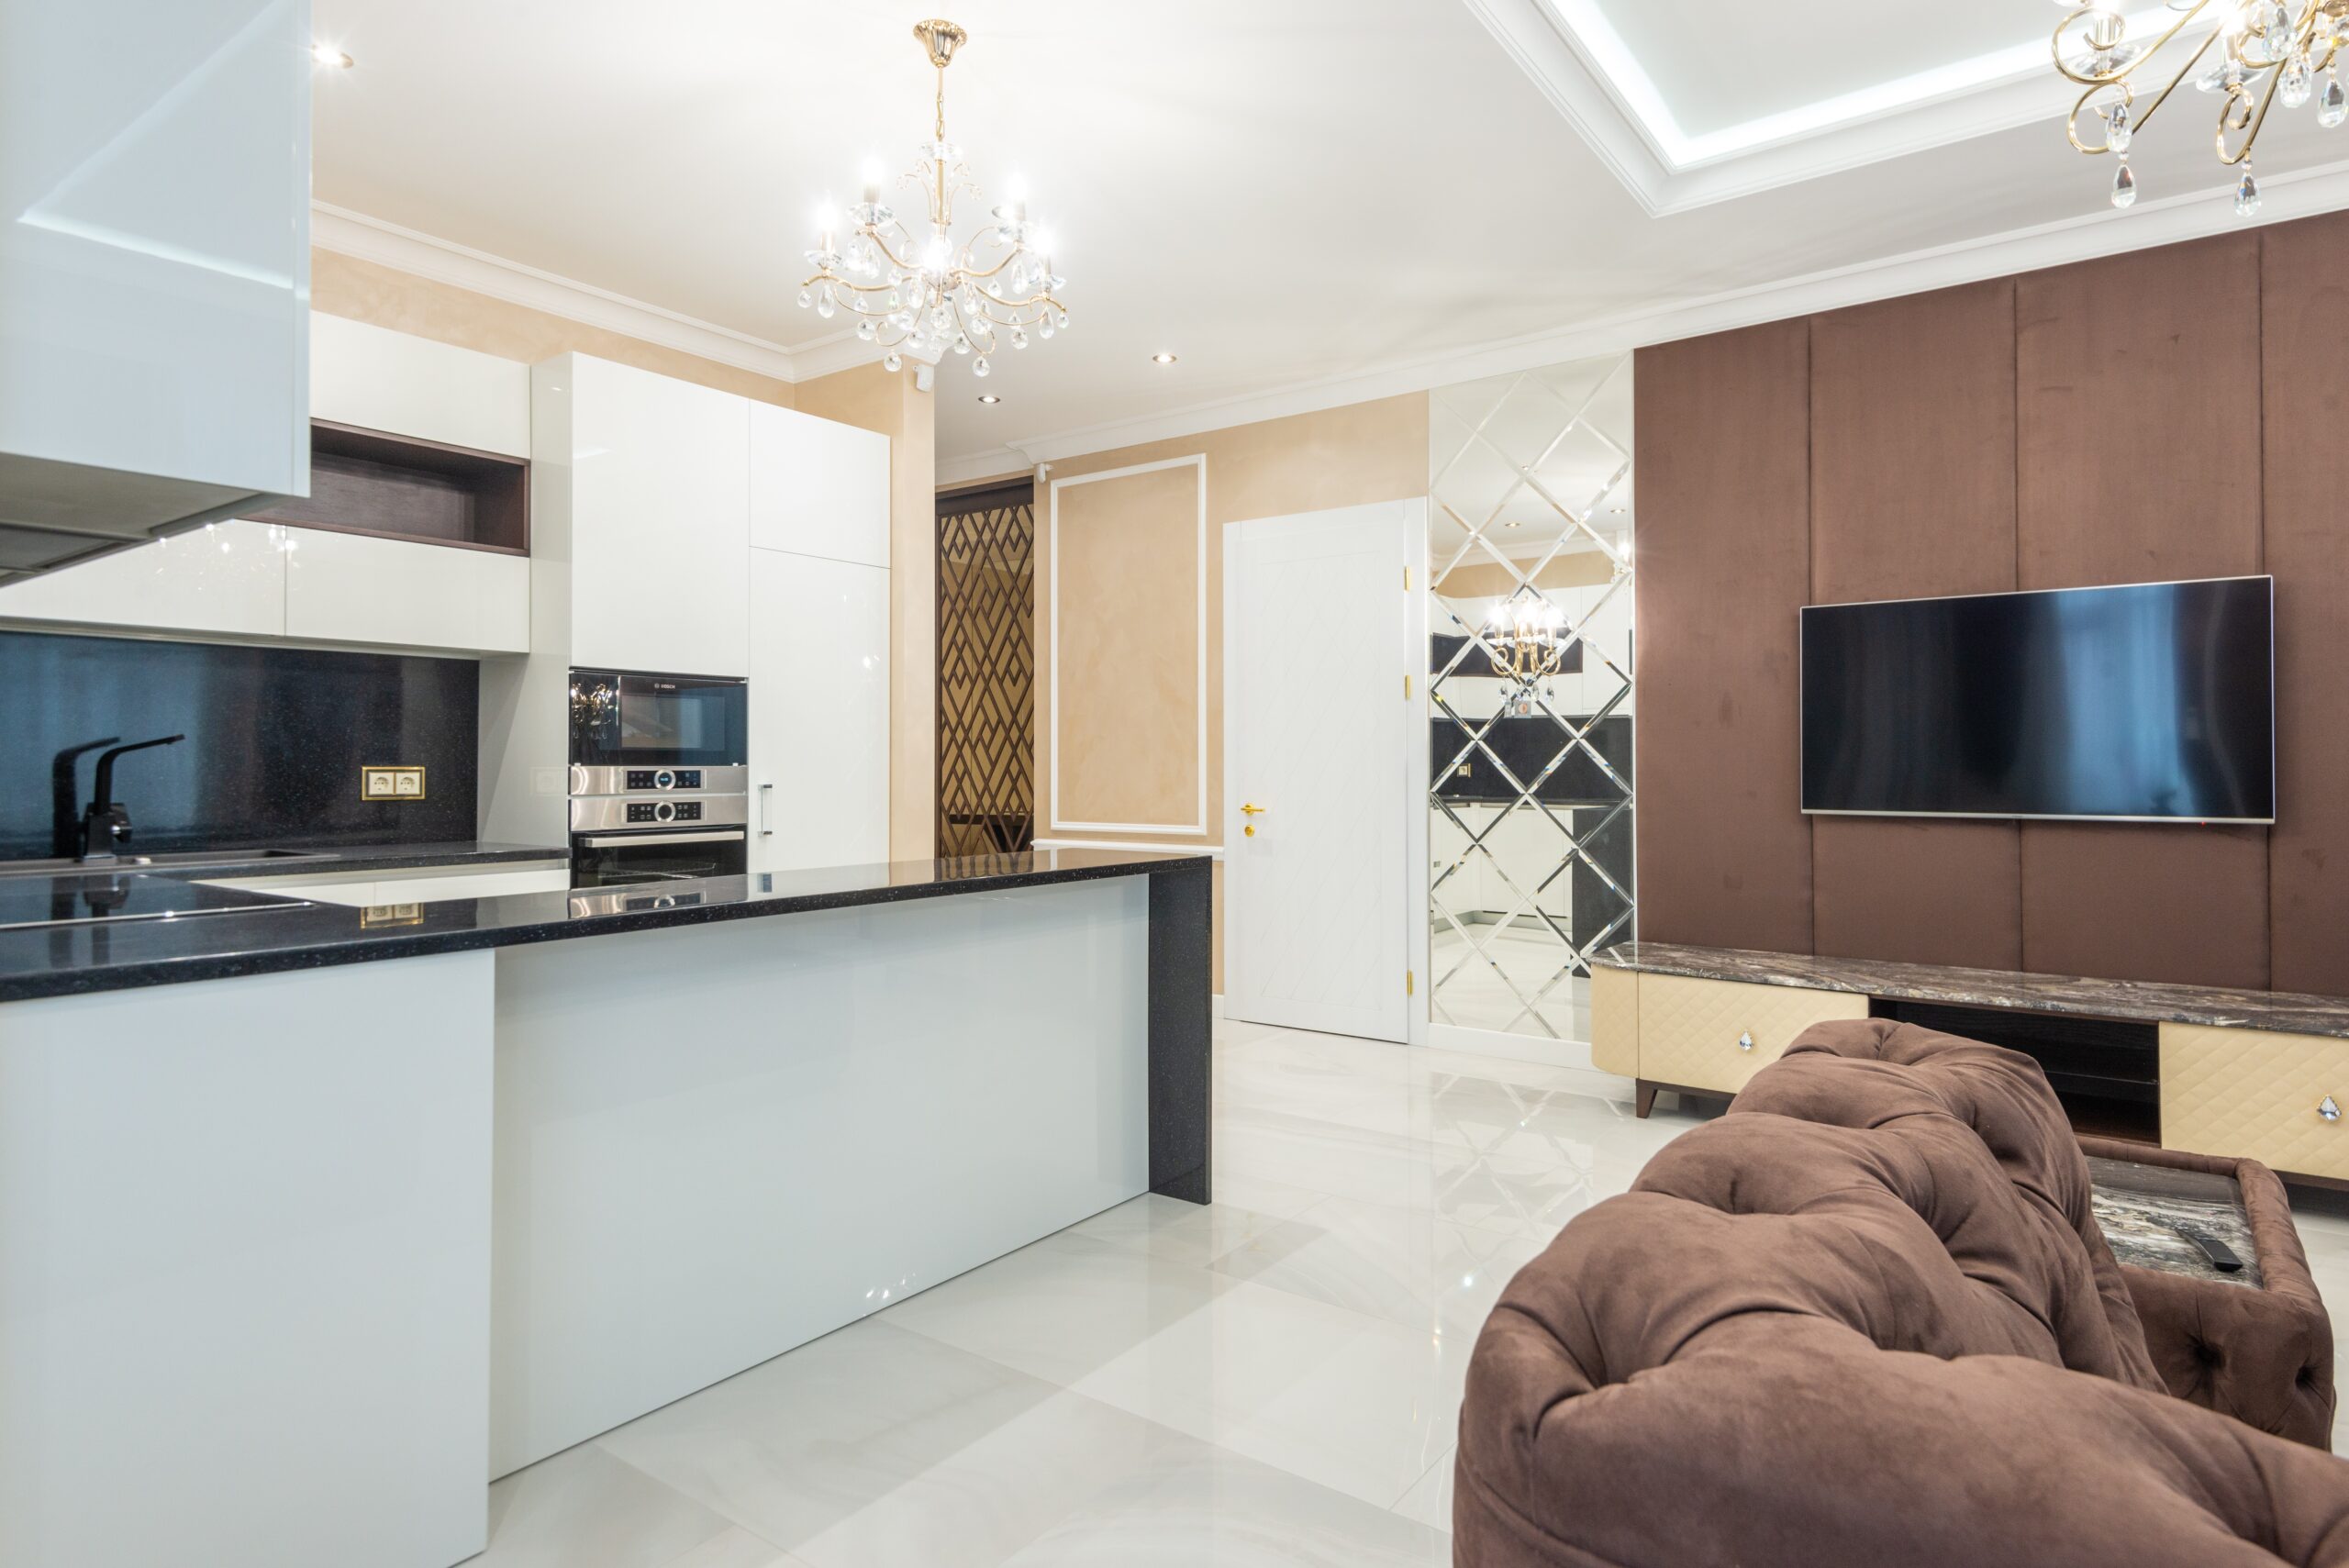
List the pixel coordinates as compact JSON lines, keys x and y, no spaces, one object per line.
{"x":2153,"y":702}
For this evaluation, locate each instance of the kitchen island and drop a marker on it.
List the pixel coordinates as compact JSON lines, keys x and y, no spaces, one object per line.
{"x":314,"y":1220}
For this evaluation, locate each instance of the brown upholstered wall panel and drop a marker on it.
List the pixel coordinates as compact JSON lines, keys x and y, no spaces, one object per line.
{"x":1912,"y":493}
{"x":1724,"y":464}
{"x":2138,"y":393}
{"x":2307,"y":352}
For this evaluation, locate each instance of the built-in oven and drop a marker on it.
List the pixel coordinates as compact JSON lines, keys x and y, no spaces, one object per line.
{"x":625,"y":720}
{"x":659,"y":778}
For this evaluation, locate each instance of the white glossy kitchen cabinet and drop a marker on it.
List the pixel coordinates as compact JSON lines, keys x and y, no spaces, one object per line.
{"x":376,"y":378}
{"x":356,"y":588}
{"x":655,"y":486}
{"x":819,"y":487}
{"x":820,"y":712}
{"x":155,"y":171}
{"x":227,"y":580}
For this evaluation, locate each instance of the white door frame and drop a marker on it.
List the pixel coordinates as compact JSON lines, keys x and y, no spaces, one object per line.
{"x":1412,"y":762}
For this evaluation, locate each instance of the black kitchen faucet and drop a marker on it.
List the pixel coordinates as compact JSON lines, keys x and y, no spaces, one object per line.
{"x":107,"y":823}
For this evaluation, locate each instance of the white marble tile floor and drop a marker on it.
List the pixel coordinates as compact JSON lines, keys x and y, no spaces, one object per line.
{"x":1272,"y":1380}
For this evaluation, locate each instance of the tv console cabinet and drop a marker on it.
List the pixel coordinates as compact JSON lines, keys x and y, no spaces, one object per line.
{"x":2256,"y":1074}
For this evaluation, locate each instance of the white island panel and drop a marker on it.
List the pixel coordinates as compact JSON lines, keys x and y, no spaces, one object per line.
{"x":244,"y":1271}
{"x":716,"y":1142}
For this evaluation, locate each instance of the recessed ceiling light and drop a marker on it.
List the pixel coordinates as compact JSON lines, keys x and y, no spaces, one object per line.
{"x":333,"y":59}
{"x":1163,"y":359}
{"x":989,"y":397}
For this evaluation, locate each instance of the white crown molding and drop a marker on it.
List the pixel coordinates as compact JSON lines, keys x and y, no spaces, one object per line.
{"x":356,"y":234}
{"x":2303,"y":193}
{"x":996,"y":462}
{"x":1598,"y":87}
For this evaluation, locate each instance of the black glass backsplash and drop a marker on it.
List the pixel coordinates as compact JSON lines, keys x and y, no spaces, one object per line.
{"x":275,"y":742}
{"x":1526,"y":745}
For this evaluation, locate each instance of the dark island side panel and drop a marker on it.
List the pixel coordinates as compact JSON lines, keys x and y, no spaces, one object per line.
{"x":275,"y":742}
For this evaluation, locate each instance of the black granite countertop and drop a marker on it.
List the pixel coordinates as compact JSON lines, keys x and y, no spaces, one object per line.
{"x":296,"y":859}
{"x":2134,"y":1000}
{"x":65,"y":960}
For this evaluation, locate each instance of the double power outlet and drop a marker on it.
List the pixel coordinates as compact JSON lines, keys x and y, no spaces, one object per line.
{"x":391,"y":783}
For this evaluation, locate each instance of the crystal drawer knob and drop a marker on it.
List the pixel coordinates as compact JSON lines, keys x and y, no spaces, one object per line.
{"x":1745,"y":1042}
{"x":2330,"y":1110}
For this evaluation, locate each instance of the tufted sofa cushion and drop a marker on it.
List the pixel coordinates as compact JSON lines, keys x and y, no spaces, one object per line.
{"x":1865,"y":1318}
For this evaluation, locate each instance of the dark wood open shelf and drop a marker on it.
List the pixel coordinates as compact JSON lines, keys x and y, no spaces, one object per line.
{"x":366,"y":482}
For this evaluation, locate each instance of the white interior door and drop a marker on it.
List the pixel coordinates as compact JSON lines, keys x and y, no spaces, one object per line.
{"x":1320,"y":742}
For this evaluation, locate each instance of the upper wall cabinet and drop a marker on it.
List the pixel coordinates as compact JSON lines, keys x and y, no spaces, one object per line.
{"x":226,"y":579}
{"x":154,"y":166}
{"x":375,"y":379}
{"x":642,"y":488}
{"x":819,"y":488}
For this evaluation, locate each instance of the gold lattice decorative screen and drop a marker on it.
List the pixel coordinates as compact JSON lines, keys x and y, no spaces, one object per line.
{"x":986,"y":671}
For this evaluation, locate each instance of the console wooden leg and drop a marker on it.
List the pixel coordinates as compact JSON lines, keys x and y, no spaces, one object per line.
{"x":1646,"y":1100}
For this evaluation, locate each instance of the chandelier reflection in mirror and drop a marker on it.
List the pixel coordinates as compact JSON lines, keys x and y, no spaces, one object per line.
{"x":2250,"y":55}
{"x":914,"y":288}
{"x":1526,"y":636}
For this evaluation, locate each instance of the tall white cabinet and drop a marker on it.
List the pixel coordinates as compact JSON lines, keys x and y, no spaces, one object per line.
{"x":677,"y":530}
{"x":819,"y":642}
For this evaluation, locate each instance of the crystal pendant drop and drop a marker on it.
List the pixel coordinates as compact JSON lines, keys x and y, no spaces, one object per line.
{"x":2119,"y":131}
{"x":2124,"y":186}
{"x":866,"y":330}
{"x":805,"y":299}
{"x":824,"y":306}
{"x":893,"y":360}
{"x":1044,"y":328}
{"x":2298,"y":82}
{"x":2332,"y":105}
{"x":980,"y":366}
{"x":1019,"y":338}
{"x":2247,"y":195}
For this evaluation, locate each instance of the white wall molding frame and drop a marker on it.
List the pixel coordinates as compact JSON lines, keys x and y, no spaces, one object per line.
{"x":1213,"y":851}
{"x":2192,"y":216}
{"x":356,"y":234}
{"x":1598,"y":86}
{"x":1060,"y":824}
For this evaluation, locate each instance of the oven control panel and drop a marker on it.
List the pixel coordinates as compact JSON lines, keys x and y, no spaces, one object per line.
{"x":660,"y":812}
{"x":664,"y":778}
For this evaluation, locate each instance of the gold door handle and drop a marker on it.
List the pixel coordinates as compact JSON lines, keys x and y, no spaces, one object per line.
{"x":1254,"y":810}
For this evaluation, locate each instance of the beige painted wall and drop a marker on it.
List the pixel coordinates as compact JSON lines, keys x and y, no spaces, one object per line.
{"x":1123,"y":538}
{"x":386,"y":296}
{"x":883,"y":400}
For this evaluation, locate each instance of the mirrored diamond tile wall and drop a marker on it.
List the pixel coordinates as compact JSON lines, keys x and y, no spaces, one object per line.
{"x":1532,"y":806}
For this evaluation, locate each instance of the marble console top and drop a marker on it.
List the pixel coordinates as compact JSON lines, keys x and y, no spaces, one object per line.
{"x":2130,"y":1000}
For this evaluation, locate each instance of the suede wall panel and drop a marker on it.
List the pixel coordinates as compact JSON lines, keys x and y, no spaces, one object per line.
{"x":2138,"y":452}
{"x":2305,"y":337}
{"x":1912,"y":493}
{"x":1723,"y":459}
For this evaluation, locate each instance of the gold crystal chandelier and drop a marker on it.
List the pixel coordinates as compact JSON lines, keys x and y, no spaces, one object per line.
{"x":915,"y":288}
{"x":2251,"y":54}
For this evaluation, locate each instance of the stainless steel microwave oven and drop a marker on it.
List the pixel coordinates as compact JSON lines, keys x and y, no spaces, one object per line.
{"x":621,"y":719}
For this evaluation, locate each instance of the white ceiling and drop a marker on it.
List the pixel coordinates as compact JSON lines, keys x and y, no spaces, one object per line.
{"x":1309,"y":202}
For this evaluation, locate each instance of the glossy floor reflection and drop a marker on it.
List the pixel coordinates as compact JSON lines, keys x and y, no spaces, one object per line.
{"x":1274,"y":1379}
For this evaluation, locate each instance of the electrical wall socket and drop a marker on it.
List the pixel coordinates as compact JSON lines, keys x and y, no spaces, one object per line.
{"x":391,"y":783}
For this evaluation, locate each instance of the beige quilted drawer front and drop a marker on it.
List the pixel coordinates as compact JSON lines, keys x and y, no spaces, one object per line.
{"x":1713,"y":1034}
{"x":1615,"y":1021}
{"x":2257,"y":1096}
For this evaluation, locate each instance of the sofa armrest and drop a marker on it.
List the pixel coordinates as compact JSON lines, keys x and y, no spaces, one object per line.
{"x":2264,"y":1356}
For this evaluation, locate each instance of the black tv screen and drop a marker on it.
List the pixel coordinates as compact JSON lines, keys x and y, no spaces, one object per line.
{"x":2151,"y":702}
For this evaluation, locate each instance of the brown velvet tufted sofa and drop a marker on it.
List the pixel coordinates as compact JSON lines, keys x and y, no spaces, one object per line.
{"x":1864,"y":1318}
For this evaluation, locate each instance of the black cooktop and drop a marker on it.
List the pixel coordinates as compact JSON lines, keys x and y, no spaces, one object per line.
{"x":42,"y":901}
